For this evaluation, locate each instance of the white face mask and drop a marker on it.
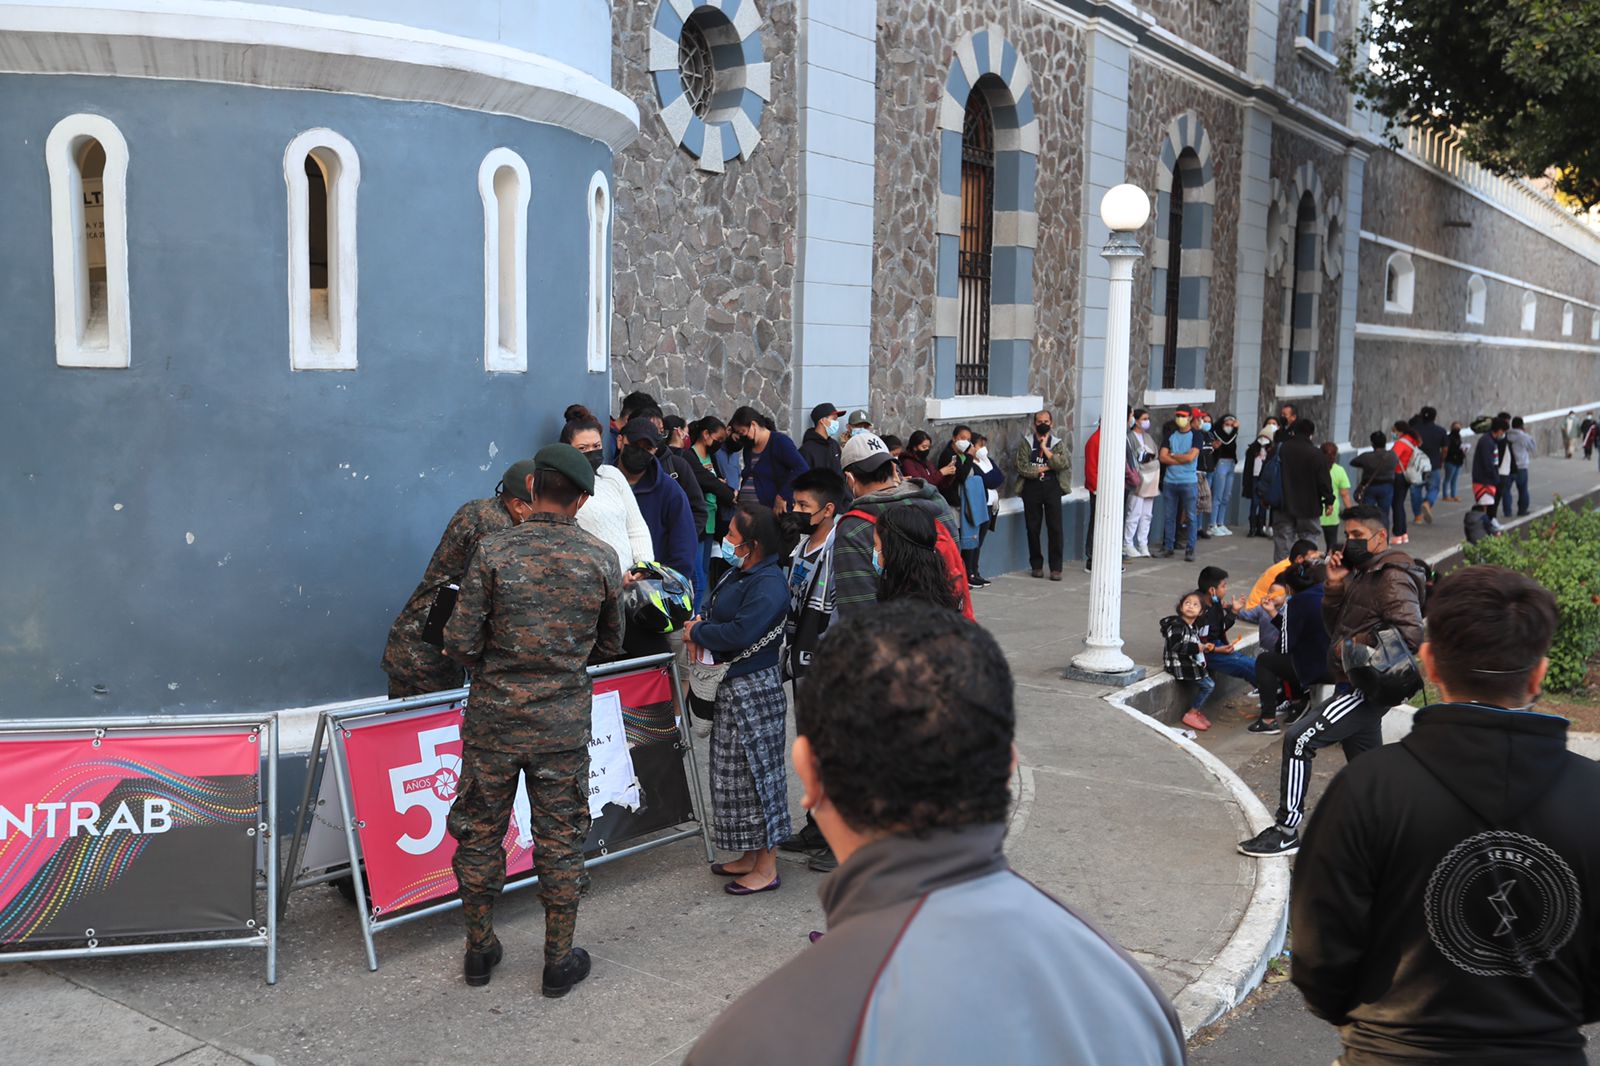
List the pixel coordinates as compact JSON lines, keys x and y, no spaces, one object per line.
{"x":983,"y":455}
{"x":962,"y":445}
{"x":1144,"y":423}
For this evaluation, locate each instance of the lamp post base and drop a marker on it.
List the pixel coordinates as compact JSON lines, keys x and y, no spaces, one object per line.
{"x":1110,"y":679}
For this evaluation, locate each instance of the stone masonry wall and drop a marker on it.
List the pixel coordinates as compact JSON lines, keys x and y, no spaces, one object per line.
{"x":1221,"y":27}
{"x":915,"y":49}
{"x":1410,"y":204}
{"x":1302,"y":77}
{"x":704,"y":263}
{"x":1289,"y":151}
{"x":1156,"y":96}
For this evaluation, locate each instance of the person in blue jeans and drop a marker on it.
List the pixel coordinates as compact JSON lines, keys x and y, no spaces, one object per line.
{"x":1218,"y":617}
{"x":1180,"y":455}
{"x":1226,"y":457}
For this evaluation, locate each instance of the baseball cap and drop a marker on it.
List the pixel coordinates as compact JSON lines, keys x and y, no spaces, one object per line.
{"x":567,"y":461}
{"x":641,"y":429}
{"x":857,"y":418}
{"x":824,"y":410}
{"x":515,"y":483}
{"x":863,"y":452}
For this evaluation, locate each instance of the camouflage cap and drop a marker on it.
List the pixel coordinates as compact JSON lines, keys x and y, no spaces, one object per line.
{"x":515,"y":483}
{"x":567,"y":461}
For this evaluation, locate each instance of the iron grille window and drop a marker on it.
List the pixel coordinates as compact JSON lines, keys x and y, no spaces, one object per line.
{"x":977,"y":247}
{"x":1169,"y":361}
{"x":696,"y":68}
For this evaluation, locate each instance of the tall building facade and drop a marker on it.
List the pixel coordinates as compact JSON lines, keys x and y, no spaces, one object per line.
{"x":283,"y":287}
{"x":893,"y":204}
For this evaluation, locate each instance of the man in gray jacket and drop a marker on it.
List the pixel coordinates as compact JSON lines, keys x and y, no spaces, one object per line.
{"x":937,"y":952}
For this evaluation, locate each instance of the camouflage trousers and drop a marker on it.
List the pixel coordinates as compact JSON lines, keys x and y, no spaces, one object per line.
{"x":558,"y":793}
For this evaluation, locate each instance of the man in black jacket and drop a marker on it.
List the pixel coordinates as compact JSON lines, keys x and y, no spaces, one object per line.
{"x":1442,"y":905}
{"x":1307,"y":490}
{"x":1368,"y":585}
{"x":1432,"y":437}
{"x":820,"y":445}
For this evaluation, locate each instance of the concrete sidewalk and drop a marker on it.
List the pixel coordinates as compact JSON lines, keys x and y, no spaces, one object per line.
{"x":1111,"y":815}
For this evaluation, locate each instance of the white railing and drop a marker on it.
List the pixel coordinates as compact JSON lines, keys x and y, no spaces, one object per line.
{"x":1444,"y":153}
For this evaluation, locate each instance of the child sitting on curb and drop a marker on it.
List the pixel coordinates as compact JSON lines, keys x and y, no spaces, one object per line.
{"x":1184,"y":657}
{"x":1264,"y":616}
{"x":1217,"y":617}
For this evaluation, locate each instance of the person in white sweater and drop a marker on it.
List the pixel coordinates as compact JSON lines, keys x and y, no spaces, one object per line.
{"x":612,"y":514}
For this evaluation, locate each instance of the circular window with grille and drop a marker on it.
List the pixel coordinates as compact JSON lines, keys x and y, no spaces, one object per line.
{"x":711,"y":78}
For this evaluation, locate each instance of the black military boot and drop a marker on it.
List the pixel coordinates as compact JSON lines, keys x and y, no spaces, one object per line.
{"x":479,"y":962}
{"x":559,"y":977}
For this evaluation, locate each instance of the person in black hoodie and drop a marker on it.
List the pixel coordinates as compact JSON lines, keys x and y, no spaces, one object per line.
{"x":1307,"y":490}
{"x":820,"y":445}
{"x":1441,"y":905}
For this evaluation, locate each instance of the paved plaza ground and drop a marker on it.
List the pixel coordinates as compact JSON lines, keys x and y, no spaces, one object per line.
{"x":1112,"y":816}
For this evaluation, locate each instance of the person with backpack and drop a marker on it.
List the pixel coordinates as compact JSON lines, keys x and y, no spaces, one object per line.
{"x":911,"y":564}
{"x":874,"y":480}
{"x":1443,"y":905}
{"x":1370,"y":586}
{"x":1410,"y":469}
{"x":1298,"y":488}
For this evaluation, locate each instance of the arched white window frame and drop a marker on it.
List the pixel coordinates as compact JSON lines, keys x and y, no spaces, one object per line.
{"x":1530,"y":311}
{"x":505,"y":261}
{"x":80,"y":342}
{"x":1477,"y":300}
{"x":1569,"y":316}
{"x":599,"y":287}
{"x":332,"y":345}
{"x":1399,"y":301}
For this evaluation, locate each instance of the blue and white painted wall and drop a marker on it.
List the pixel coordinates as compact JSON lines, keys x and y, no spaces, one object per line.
{"x":332,"y":276}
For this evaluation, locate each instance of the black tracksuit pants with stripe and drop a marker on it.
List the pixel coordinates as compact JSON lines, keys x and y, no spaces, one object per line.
{"x":1348,"y":719}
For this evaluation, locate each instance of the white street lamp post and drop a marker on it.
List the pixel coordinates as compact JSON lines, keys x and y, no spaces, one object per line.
{"x":1124,"y":209}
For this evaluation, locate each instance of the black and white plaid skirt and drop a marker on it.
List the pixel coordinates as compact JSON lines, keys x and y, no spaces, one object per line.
{"x":749,"y":785}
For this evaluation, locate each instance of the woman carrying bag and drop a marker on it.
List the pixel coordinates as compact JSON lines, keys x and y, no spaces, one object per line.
{"x":742,"y":630}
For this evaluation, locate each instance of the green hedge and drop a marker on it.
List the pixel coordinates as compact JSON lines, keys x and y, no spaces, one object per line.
{"x":1561,"y":551}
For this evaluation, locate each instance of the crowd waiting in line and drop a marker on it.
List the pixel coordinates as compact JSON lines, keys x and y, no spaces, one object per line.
{"x":759,"y":561}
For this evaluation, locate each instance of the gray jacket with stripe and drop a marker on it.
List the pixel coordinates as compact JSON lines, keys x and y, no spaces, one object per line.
{"x":938,"y":953}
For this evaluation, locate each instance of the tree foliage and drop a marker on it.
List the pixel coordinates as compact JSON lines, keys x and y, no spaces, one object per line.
{"x":1519,"y":80}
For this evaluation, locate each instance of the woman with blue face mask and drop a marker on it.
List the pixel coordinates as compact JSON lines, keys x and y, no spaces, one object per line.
{"x":1225,"y":459}
{"x":743,"y":627}
{"x":906,"y":557}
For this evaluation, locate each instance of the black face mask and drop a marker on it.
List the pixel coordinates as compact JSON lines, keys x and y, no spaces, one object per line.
{"x":1356,"y":552}
{"x":733,"y":444}
{"x":635,"y":460}
{"x":795,"y":523}
{"x":596,"y":458}
{"x":1042,"y":428}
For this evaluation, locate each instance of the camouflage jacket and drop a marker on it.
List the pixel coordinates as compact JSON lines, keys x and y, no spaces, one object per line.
{"x":539,"y":602}
{"x":406,"y":654}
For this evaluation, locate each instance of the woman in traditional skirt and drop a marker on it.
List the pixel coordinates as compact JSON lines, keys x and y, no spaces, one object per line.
{"x":749,"y":790}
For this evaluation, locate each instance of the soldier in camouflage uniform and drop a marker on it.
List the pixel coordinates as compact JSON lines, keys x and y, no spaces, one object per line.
{"x":538,"y":604}
{"x":414,"y":666}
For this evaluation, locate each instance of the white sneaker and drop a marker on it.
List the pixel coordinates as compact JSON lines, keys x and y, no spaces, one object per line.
{"x":1130,"y":552}
{"x":1223,"y":531}
{"x":1144,"y":551}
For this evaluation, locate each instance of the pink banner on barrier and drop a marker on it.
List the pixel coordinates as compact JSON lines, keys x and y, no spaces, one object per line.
{"x":403,"y":775}
{"x":130,"y":835}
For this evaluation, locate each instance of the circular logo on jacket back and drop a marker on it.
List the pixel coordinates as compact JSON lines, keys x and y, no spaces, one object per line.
{"x":1500,"y":903}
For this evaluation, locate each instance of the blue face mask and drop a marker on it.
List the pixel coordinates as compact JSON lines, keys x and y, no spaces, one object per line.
{"x":1206,"y":426}
{"x":833,"y":428}
{"x":877,"y":563}
{"x":730,"y":554}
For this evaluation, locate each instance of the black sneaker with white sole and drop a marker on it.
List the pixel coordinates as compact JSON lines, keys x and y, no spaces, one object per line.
{"x":1273,"y":840}
{"x":1266,"y":727}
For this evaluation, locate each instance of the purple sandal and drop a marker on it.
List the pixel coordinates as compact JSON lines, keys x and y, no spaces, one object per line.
{"x":734,"y":888}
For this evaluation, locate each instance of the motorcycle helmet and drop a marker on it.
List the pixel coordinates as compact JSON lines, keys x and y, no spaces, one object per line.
{"x":1385,"y":671}
{"x":660,"y":600}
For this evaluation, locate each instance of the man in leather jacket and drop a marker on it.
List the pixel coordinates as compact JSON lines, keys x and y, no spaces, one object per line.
{"x":1369,"y":585}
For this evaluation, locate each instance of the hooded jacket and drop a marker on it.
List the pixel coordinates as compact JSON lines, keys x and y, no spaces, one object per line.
{"x":1443,"y":898}
{"x":937,"y":953}
{"x":1486,"y":460}
{"x":821,"y":451}
{"x":1307,"y":485}
{"x":665,"y":507}
{"x":1386,"y":589}
{"x":854,"y":580}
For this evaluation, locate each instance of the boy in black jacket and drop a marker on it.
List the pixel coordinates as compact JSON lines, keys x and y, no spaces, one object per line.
{"x":1442,"y":906}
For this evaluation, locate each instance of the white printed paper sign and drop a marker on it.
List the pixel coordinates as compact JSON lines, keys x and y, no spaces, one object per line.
{"x":611,"y":776}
